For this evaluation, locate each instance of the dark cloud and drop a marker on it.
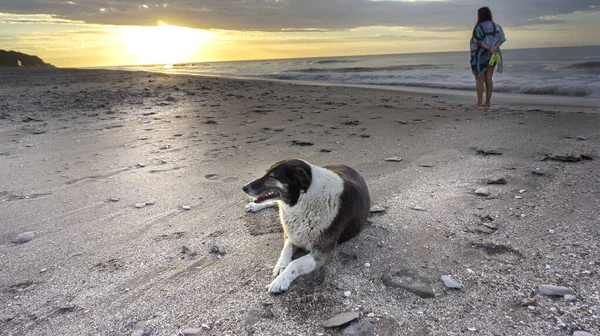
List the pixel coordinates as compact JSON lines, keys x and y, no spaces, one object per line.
{"x":299,"y":15}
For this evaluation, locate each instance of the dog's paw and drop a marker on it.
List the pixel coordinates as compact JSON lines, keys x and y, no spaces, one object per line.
{"x":253,"y":207}
{"x":279,"y":285}
{"x":279,"y":268}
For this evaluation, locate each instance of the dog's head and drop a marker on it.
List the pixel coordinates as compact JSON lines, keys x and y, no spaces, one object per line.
{"x":284,"y":181}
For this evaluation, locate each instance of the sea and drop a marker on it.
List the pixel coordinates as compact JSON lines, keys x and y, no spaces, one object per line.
{"x":561,"y":71}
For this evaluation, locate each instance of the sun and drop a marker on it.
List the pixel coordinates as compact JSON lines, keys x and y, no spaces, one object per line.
{"x":164,"y":44}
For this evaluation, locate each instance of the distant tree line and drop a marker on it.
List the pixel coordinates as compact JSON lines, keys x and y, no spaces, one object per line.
{"x":14,"y":59}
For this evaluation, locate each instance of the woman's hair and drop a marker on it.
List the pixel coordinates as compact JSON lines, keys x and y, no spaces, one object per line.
{"x":483,"y":14}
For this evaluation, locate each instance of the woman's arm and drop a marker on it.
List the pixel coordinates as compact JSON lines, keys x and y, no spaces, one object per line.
{"x":484,"y":46}
{"x":494,"y":49}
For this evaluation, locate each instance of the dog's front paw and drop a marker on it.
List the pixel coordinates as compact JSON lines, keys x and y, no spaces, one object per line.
{"x":279,"y":268}
{"x":253,"y":207}
{"x":279,"y":285}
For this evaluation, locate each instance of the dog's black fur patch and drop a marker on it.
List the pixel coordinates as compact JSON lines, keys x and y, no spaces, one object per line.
{"x":296,"y":175}
{"x":354,"y":208}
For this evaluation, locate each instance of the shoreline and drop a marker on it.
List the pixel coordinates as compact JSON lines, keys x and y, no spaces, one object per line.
{"x":516,"y":98}
{"x":462,"y":95}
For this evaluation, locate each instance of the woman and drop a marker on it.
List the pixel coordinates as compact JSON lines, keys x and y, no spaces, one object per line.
{"x":485,"y":53}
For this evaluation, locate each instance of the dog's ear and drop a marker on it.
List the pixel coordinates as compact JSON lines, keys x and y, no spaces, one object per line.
{"x":302,"y":177}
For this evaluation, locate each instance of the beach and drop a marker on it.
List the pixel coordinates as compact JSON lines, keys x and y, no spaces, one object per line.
{"x":128,"y":186}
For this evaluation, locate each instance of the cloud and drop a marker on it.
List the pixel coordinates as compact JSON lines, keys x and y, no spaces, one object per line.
{"x":342,"y":40}
{"x":299,"y":15}
{"x":32,"y":18}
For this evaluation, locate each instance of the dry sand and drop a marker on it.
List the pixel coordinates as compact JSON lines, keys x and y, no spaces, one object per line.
{"x":80,"y":148}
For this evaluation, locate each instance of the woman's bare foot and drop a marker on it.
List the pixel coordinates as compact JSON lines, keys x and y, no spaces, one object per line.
{"x":487,"y":104}
{"x":478,"y":105}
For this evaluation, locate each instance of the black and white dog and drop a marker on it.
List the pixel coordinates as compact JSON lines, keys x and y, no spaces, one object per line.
{"x":319,"y":208}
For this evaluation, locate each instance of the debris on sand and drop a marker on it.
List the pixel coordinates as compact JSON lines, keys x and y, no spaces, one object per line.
{"x":482,"y":192}
{"x":190,"y":332}
{"x":23,"y":237}
{"x":570,"y":297}
{"x":356,"y":328}
{"x":492,"y":248}
{"x":393,"y":159}
{"x":488,"y":151}
{"x":66,"y":308}
{"x":409,"y":280}
{"x":553,"y":290}
{"x":495,"y":180}
{"x":450,"y":282}
{"x":489,"y":226}
{"x":340,"y":319}
{"x":188,"y":251}
{"x":218,"y":250}
{"x":376,"y":208}
{"x":573,"y":157}
{"x":582,"y":333}
{"x":302,"y":143}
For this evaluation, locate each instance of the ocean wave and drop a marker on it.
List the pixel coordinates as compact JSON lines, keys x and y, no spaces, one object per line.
{"x":190,"y":65}
{"x":540,"y":88}
{"x":365,"y":69}
{"x":534,"y":89}
{"x":593,"y":65}
{"x":333,"y":61}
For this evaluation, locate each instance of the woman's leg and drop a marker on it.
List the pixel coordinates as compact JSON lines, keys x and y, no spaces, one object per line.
{"x":479,"y":80}
{"x":489,"y":84}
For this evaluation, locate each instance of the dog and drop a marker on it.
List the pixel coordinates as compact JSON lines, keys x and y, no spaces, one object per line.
{"x":319,"y":208}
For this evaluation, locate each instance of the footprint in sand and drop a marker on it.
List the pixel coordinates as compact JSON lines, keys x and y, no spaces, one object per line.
{"x":216,"y":177}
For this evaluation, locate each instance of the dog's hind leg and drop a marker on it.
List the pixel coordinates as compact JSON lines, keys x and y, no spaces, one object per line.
{"x":298,"y":267}
{"x":285,"y":258}
{"x":256,"y":207}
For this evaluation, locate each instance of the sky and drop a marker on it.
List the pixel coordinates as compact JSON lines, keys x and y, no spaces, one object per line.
{"x":86,"y":33}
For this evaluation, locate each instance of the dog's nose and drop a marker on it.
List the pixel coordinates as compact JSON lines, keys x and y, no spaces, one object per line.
{"x":245,"y":188}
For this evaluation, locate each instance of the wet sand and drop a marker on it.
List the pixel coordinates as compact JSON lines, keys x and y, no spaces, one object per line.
{"x":82,"y":150}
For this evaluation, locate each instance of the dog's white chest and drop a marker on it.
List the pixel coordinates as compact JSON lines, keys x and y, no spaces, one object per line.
{"x":304,"y":230}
